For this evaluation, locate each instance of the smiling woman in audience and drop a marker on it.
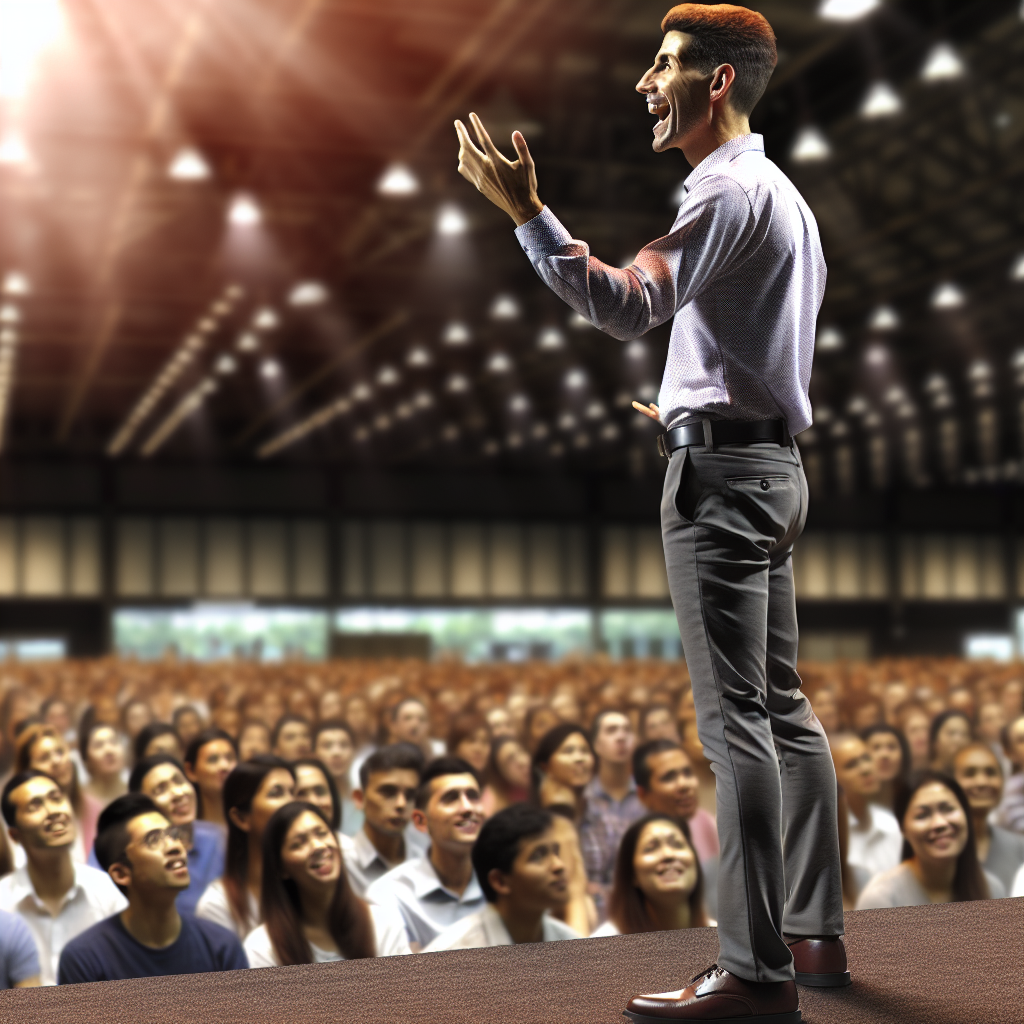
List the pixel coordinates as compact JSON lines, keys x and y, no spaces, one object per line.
{"x":508,"y":775}
{"x":209,"y":760}
{"x":310,"y":912}
{"x":563,"y":765}
{"x":950,"y":731}
{"x":890,"y":757}
{"x":334,"y":744}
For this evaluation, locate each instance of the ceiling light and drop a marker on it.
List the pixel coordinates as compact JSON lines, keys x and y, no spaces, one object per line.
{"x":450,"y":432}
{"x":581,"y":440}
{"x":567,"y":421}
{"x":504,"y":307}
{"x":266,"y":319}
{"x":27,"y":28}
{"x":882,"y":100}
{"x":557,"y":450}
{"x":490,"y":447}
{"x":609,"y":432}
{"x":423,"y":400}
{"x":226,"y":364}
{"x":499,"y":363}
{"x":810,"y":146}
{"x":270,"y":369}
{"x":361,"y":434}
{"x":839,"y":429}
{"x":846,"y":10}
{"x":398,"y":180}
{"x":636,"y":350}
{"x":451,"y":220}
{"x":514,"y":440}
{"x":456,"y":333}
{"x":247,"y":342}
{"x":387,"y":376}
{"x":362,"y":392}
{"x":539,"y":432}
{"x":979,"y":370}
{"x":519,"y":403}
{"x":876,"y":355}
{"x":829,"y":339}
{"x":13,"y":151}
{"x":942,"y":64}
{"x":857,"y":406}
{"x":895,"y":395}
{"x":244,"y":211}
{"x":884,"y":318}
{"x":9,"y":314}
{"x":550,"y":339}
{"x":188,"y":165}
{"x":578,"y":322}
{"x":596,"y":410}
{"x":936,"y":383}
{"x":418,"y":357}
{"x":382,"y":422}
{"x":404,"y":411}
{"x":16,"y":283}
{"x":649,"y":392}
{"x":308,"y":293}
{"x":1017,"y":270}
{"x":1017,"y":362}
{"x":947,"y":296}
{"x":576,"y":379}
{"x":458,"y":384}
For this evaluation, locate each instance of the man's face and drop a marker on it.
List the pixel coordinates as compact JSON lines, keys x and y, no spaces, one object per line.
{"x":855,"y":768}
{"x":388,"y":800}
{"x":168,"y":788}
{"x":673,"y":786}
{"x":979,"y":776}
{"x":334,"y":748}
{"x":614,"y":741}
{"x":659,"y":725}
{"x":538,"y":878}
{"x":411,"y":722}
{"x":676,"y":92}
{"x":454,"y":812}
{"x":43,"y":815}
{"x":155,"y":856}
{"x":293,"y":741}
{"x":50,"y":754}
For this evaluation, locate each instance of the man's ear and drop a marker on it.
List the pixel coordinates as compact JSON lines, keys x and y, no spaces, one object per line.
{"x":419,"y":819}
{"x":239,"y":818}
{"x":721,"y":81}
{"x":358,"y":799}
{"x":121,"y":874}
{"x":499,"y":882}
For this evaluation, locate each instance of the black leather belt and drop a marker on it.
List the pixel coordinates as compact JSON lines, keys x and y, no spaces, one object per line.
{"x":712,"y":434}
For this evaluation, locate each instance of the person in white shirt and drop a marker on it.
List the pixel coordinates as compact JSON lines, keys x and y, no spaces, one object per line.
{"x":432,"y":892}
{"x":57,"y":897}
{"x":875,"y":840}
{"x":310,"y":913}
{"x":518,"y":863}
{"x":388,"y":780}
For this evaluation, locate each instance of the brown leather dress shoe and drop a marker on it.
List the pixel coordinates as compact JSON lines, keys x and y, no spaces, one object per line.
{"x":718,"y":996}
{"x":819,"y":963}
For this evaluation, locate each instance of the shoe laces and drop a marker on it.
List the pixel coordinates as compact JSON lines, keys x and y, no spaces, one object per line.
{"x":706,"y":973}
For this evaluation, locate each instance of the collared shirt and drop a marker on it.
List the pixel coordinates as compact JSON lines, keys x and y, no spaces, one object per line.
{"x":741,"y":272}
{"x":486,"y":928}
{"x":425,"y":905}
{"x":91,"y":898}
{"x":877,"y":846}
{"x":19,"y":959}
{"x":603,"y":826}
{"x":363,"y":863}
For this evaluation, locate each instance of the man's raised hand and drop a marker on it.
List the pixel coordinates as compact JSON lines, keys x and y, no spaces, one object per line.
{"x":510,"y":186}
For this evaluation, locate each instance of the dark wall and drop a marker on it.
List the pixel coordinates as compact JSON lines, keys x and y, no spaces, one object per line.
{"x":83,"y":625}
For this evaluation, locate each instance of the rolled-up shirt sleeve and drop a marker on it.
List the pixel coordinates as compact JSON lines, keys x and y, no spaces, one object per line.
{"x":713,"y":232}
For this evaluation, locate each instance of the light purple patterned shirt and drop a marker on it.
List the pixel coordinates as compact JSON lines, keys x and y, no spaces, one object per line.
{"x":742,"y":274}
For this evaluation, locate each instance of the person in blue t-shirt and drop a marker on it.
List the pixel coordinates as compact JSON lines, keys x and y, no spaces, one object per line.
{"x":144,"y":854}
{"x":161,"y":777}
{"x":19,"y":959}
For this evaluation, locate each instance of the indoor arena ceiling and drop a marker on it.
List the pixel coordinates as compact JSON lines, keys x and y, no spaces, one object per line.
{"x":233,"y":229}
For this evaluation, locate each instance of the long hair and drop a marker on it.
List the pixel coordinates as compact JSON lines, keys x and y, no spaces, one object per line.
{"x":348,"y":919}
{"x":493,"y":775}
{"x":549,"y":744}
{"x":938,"y":722}
{"x":195,"y":748}
{"x":27,"y":739}
{"x":969,"y":882}
{"x":905,"y":758}
{"x":332,"y":788}
{"x":627,"y":905}
{"x":239,"y":789}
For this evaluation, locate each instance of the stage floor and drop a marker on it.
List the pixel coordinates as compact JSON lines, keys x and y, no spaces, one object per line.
{"x":953,"y":964}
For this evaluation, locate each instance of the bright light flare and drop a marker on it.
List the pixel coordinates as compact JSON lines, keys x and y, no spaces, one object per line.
{"x":13,"y":151}
{"x":810,"y":146}
{"x":451,"y":221}
{"x":27,"y":29}
{"x":947,"y":296}
{"x":188,"y":165}
{"x":16,"y":283}
{"x":398,"y":180}
{"x":846,"y":10}
{"x":942,"y":64}
{"x":244,"y":211}
{"x":882,"y":100}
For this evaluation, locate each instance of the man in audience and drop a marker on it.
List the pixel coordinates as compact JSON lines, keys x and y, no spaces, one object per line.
{"x":410,"y":723}
{"x":292,"y":738}
{"x":388,"y":780}
{"x":54,"y":895}
{"x":144,"y":855}
{"x":518,"y":863}
{"x":19,"y":960}
{"x":875,"y":841}
{"x":434,"y":891}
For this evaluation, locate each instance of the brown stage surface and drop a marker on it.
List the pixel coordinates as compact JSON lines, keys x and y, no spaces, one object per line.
{"x":954,"y":964}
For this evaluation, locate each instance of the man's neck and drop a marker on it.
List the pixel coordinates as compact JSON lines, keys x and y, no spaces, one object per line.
{"x":722,"y":128}
{"x":52,"y":873}
{"x":454,"y":869}
{"x":615,"y":777}
{"x":390,"y":847}
{"x":524,"y":924}
{"x":155,"y":922}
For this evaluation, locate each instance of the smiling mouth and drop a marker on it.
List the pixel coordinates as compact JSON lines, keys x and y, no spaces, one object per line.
{"x":660,"y":107}
{"x":177,"y":864}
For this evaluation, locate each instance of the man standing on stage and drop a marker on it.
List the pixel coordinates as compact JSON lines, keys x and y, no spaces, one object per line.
{"x":741,"y":273}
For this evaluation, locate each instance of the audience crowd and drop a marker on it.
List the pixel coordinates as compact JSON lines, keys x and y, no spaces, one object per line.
{"x":167,"y":818}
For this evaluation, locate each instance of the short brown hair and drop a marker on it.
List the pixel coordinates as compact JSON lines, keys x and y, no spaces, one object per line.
{"x":724,"y":34}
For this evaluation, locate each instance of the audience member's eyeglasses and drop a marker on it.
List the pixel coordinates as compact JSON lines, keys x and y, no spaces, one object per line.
{"x":157,"y":837}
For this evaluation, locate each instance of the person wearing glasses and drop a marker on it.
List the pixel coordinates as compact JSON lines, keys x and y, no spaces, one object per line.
{"x":145,"y":857}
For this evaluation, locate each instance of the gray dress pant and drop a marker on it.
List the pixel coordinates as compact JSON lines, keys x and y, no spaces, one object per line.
{"x":729,"y":518}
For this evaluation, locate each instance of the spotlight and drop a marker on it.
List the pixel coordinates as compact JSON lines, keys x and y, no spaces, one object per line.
{"x":810,"y":146}
{"x":1017,"y":270}
{"x":881,"y":101}
{"x":458,"y":384}
{"x":504,"y":307}
{"x":418,"y":357}
{"x":398,"y":180}
{"x":947,"y":296}
{"x":270,"y":369}
{"x":576,"y":379}
{"x":247,"y":342}
{"x":884,"y":318}
{"x":387,"y":376}
{"x":188,"y":165}
{"x":550,"y":339}
{"x":456,"y":333}
{"x":16,"y":283}
{"x":499,"y":363}
{"x":308,"y":293}
{"x":578,"y":322}
{"x":636,"y":350}
{"x":451,"y":221}
{"x":942,"y":64}
{"x":266,"y":319}
{"x":226,"y":364}
{"x":519,"y":403}
{"x":244,"y":212}
{"x":846,"y":10}
{"x":829,"y":339}
{"x":876,"y":355}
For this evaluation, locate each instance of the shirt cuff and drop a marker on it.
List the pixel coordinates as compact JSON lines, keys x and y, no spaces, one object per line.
{"x":543,"y":235}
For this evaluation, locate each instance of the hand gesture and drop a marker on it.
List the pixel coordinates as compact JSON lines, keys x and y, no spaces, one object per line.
{"x":510,"y":186}
{"x":651,"y":411}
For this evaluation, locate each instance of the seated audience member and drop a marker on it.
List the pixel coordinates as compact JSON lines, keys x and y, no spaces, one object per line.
{"x":538,"y":723}
{"x":55,"y":896}
{"x":39,"y":748}
{"x":657,"y":723}
{"x":389,"y":778}
{"x":135,"y":716}
{"x":103,"y":757}
{"x":334,"y":744}
{"x":980,"y":775}
{"x":144,"y":855}
{"x":292,"y":738}
{"x":580,"y":911}
{"x":508,"y":775}
{"x":940,"y":862}
{"x":826,"y":710}
{"x":517,"y":860}
{"x":658,"y":881}
{"x":210,"y":758}
{"x":915,"y":723}
{"x":314,"y":785}
{"x":990,"y":726}
{"x":253,"y":739}
{"x":499,"y":722}
{"x":434,"y":891}
{"x":56,"y":713}
{"x":310,"y":912}
{"x":409,"y":722}
{"x":890,"y":756}
{"x":188,"y":724}
{"x":162,"y":778}
{"x":1011,"y":810}
{"x":874,"y":835}
{"x":19,"y":961}
{"x":252,"y":792}
{"x":563,"y":767}
{"x":157,"y":738}
{"x":949,"y":731}
{"x":470,"y":739}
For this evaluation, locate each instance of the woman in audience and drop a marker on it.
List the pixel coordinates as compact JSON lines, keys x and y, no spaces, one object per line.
{"x":890,"y":756}
{"x":470,"y":739}
{"x":508,"y":775}
{"x":539,"y":722}
{"x":980,"y":775}
{"x":103,"y":756}
{"x":157,"y":738}
{"x":658,"y":884}
{"x":563,"y":765}
{"x":950,"y":731}
{"x":334,"y":744}
{"x":209,"y":760}
{"x":940,"y":860}
{"x":499,"y":722}
{"x":914,"y":723}
{"x":310,"y":912}
{"x":135,"y":716}
{"x":252,"y":792}
{"x":253,"y":739}
{"x":314,"y":785}
{"x":1011,"y":810}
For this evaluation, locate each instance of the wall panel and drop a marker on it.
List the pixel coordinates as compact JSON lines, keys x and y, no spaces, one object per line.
{"x":268,"y":558}
{"x":544,"y":572}
{"x":429,"y":560}
{"x":179,"y":557}
{"x":650,"y":577}
{"x":42,"y":570}
{"x":9,"y":548}
{"x":468,"y":568}
{"x":309,"y":559}
{"x":84,"y":573}
{"x":134,"y":558}
{"x":353,"y":559}
{"x":387,"y":558}
{"x":617,"y":563}
{"x":223,"y":549}
{"x":507,"y":576}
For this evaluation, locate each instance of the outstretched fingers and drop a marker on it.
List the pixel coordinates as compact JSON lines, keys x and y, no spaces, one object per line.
{"x":522,"y":150}
{"x":485,"y":140}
